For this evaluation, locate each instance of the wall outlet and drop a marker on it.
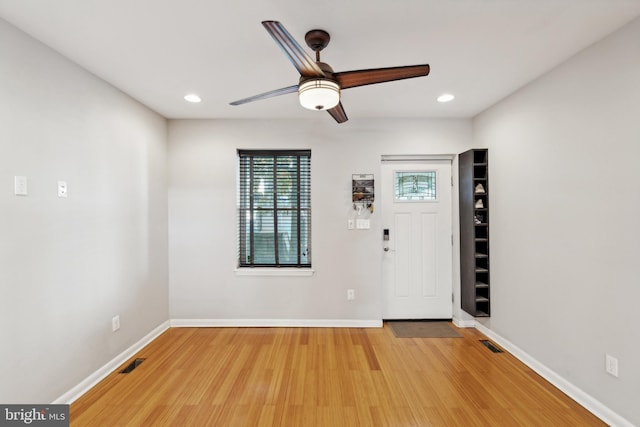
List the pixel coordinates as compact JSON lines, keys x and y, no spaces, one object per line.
{"x":351,"y":294}
{"x":351,"y":224}
{"x":115,"y":323}
{"x":62,"y":189}
{"x":611,"y":365}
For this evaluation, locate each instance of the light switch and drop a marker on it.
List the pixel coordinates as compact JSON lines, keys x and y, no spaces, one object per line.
{"x":363,"y":224}
{"x":62,"y":189}
{"x":20,"y":185}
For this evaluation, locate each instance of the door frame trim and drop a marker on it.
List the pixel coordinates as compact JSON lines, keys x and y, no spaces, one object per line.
{"x":416,"y":157}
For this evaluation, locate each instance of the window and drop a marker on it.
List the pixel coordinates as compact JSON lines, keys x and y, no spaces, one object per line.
{"x":274,"y":209}
{"x":415,"y":186}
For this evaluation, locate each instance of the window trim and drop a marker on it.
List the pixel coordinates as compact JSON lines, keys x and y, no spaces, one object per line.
{"x":275,"y":271}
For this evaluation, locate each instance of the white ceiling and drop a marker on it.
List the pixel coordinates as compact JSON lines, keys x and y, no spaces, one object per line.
{"x":158,"y":50}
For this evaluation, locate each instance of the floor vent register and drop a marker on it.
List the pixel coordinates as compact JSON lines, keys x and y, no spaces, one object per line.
{"x":131,"y":366}
{"x":491,"y":346}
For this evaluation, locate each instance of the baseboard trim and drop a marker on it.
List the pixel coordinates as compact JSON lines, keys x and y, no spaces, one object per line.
{"x":460,"y":323}
{"x":272,"y":323}
{"x":93,"y":379}
{"x":593,"y":405}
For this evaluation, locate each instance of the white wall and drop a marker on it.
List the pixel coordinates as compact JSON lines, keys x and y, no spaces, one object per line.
{"x":68,"y":265}
{"x":202,"y":215}
{"x":565,"y":218}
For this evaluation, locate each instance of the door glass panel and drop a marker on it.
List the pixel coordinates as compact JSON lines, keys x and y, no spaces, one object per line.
{"x":414,"y":186}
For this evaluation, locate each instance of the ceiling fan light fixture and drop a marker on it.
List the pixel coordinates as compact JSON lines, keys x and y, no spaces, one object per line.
{"x":319,"y":94}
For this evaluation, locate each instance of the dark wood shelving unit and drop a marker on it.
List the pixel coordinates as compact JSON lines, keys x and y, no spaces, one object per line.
{"x":475,"y":281}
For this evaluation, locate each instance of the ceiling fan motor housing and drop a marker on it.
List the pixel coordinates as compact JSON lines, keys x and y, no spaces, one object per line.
{"x":317,"y":39}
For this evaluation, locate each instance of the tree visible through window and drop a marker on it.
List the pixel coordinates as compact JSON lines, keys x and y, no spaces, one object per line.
{"x":274,"y":210}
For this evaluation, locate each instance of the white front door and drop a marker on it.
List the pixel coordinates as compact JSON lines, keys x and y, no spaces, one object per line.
{"x":417,"y":261}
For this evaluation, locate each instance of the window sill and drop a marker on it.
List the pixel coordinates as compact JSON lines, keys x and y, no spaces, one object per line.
{"x":259,"y":271}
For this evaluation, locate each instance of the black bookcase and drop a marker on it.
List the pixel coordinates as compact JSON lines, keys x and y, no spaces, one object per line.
{"x":474,"y":232}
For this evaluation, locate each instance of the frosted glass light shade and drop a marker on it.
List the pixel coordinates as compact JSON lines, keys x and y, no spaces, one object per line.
{"x":319,"y":94}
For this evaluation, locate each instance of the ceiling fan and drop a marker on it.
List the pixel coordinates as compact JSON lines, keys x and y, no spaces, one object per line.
{"x":319,"y":86}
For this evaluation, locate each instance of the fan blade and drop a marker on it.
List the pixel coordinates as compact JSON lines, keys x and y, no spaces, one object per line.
{"x":338,"y":113}
{"x":270,"y":94}
{"x":306,"y":66}
{"x":356,"y":78}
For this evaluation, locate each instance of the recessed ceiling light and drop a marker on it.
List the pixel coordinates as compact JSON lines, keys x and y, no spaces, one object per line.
{"x":192,"y":97}
{"x":445,"y":97}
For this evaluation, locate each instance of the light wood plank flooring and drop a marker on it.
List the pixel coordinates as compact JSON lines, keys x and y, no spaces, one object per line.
{"x":324,"y":377}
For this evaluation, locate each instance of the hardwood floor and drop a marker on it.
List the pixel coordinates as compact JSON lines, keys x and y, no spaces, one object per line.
{"x":324,"y":377}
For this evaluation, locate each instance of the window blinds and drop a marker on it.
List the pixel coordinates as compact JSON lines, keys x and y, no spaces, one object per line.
{"x":274,"y":208}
